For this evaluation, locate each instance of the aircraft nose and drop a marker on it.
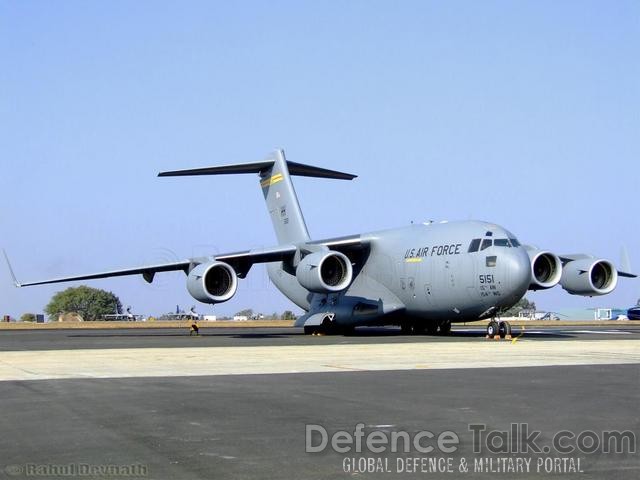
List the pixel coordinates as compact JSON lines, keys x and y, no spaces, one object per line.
{"x":518,"y":271}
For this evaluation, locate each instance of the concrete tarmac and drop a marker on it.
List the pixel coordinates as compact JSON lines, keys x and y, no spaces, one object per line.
{"x":254,"y":426}
{"x":15,"y":340}
{"x":204,"y":423}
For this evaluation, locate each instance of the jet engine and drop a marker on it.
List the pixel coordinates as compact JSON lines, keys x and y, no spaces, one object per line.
{"x":213,"y":282}
{"x":325,"y":272}
{"x":546,"y":269}
{"x":589,"y":277}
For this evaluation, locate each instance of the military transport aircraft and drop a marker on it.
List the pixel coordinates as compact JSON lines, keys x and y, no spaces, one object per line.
{"x":127,"y":316}
{"x":421,"y":277}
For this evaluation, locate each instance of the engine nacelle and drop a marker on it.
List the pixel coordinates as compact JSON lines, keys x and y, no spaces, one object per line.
{"x":546,"y":269}
{"x":589,"y":277}
{"x":325,"y":272}
{"x":213,"y":282}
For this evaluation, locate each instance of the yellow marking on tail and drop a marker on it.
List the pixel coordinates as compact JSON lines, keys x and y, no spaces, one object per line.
{"x":271,"y":180}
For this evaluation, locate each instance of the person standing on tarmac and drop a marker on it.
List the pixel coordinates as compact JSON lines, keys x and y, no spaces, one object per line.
{"x":194,"y":330}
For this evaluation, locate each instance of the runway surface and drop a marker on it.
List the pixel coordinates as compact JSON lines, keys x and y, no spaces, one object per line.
{"x":15,"y":340}
{"x":207,"y":423}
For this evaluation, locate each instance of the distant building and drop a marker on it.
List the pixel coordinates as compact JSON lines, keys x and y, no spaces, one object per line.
{"x":240,"y":318}
{"x":591,"y":313}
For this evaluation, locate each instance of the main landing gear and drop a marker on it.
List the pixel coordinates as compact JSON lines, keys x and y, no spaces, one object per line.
{"x":329,"y":327}
{"x":501,"y":329}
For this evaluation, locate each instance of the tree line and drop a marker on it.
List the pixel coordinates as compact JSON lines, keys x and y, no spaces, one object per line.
{"x":94,"y":303}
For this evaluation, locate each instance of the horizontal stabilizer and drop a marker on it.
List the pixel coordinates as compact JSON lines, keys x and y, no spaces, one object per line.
{"x":298,"y":169}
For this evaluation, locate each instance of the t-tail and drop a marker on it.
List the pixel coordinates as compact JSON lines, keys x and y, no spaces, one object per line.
{"x":280,"y":196}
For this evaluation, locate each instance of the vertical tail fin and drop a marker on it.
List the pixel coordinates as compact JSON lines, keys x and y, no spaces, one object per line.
{"x":280,"y":196}
{"x":282,"y":201}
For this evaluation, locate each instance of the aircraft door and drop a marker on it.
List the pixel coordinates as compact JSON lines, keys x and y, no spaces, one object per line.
{"x":410,"y":280}
{"x":427,"y":279}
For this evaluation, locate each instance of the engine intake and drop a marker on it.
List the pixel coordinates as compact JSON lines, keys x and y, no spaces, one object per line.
{"x":213,"y":282}
{"x":325,"y":272}
{"x":546,"y":269}
{"x":589,"y":277}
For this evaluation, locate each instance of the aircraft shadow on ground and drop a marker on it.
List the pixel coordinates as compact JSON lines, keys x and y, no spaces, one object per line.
{"x":369,"y":332}
{"x":180,"y":335}
{"x":479,"y":333}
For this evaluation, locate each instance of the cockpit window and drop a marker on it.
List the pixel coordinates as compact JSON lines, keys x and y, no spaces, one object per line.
{"x":475,"y":244}
{"x":514,"y":242}
{"x":486,"y":243}
{"x":501,"y":242}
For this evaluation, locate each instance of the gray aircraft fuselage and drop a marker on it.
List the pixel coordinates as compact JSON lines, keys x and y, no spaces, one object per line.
{"x":426,"y":271}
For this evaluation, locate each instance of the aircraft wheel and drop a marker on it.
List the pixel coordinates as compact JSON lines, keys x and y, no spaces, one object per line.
{"x":309,"y":330}
{"x":504,"y":329}
{"x":492,"y":329}
{"x":406,"y":329}
{"x":445,"y":328}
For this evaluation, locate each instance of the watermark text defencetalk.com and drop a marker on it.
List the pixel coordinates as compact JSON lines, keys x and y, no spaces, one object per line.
{"x":519,"y":438}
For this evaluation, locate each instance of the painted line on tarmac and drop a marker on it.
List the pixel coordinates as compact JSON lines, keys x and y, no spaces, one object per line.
{"x":602,"y":332}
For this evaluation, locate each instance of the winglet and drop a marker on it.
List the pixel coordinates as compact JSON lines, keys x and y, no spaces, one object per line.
{"x":13,"y":275}
{"x":625,"y":264}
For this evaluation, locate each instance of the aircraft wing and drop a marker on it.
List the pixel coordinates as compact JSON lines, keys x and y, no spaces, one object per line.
{"x":343,"y":244}
{"x":147,"y":271}
{"x":241,"y":261}
{"x":581,"y":256}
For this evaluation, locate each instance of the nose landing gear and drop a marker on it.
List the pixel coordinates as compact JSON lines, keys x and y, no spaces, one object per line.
{"x":499,"y":329}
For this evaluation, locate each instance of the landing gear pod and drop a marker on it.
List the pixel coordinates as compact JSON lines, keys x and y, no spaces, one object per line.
{"x":213,"y":282}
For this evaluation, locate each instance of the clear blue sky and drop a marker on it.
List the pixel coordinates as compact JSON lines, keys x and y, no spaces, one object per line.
{"x":526,"y":114}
